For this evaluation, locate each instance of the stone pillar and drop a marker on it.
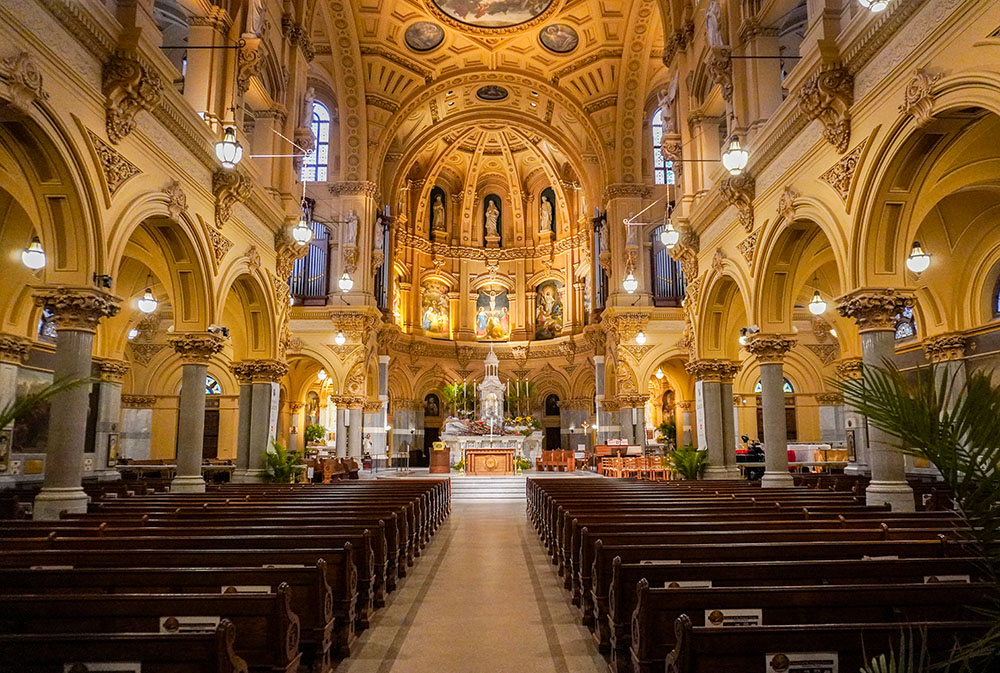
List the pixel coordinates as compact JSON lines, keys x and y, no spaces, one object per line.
{"x":875,"y":310}
{"x":715,"y":415}
{"x":855,"y":424}
{"x":243,"y":377}
{"x":107,"y":435}
{"x":296,"y":429}
{"x":770,"y":351}
{"x":136,"y":437}
{"x":632,"y":417}
{"x":13,"y":351}
{"x":258,"y":424}
{"x":610,"y":428}
{"x":196,"y":350}
{"x":374,"y":425}
{"x":831,"y":417}
{"x":685,"y":436}
{"x":947,"y":353}
{"x":341,"y":439}
{"x":356,"y":426}
{"x":77,"y":310}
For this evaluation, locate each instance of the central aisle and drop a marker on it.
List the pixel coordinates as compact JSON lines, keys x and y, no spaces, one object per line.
{"x":484,"y":599}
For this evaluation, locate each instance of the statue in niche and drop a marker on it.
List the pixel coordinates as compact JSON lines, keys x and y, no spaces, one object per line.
{"x":545,"y":216}
{"x":667,"y":98}
{"x":379,"y":234}
{"x":255,"y":22}
{"x":713,"y":16}
{"x":438,"y":222}
{"x":492,"y":215}
{"x":605,"y":239}
{"x":307,"y":107}
{"x":351,"y":229}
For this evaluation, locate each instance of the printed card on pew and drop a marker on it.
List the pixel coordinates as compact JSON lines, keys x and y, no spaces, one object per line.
{"x":247,"y":589}
{"x":933,"y":579}
{"x":188,"y":624}
{"x":734,"y":617}
{"x":688,"y":584}
{"x":663,"y":562}
{"x":104,"y":667}
{"x":802,"y":662}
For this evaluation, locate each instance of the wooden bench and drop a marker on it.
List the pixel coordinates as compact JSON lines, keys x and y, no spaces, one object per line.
{"x":556,"y":460}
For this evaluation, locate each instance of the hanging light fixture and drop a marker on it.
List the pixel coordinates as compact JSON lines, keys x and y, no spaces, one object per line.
{"x":874,"y":6}
{"x":133,"y":333}
{"x":918,"y":261}
{"x":345,"y":283}
{"x":816,"y":305}
{"x":33,"y":256}
{"x":669,"y":236}
{"x":302,"y":232}
{"x":640,"y":338}
{"x":743,"y":337}
{"x":340,"y":339}
{"x":229,"y":151}
{"x":659,"y":373}
{"x":735,"y":158}
{"x":833,"y":333}
{"x":147,"y":302}
{"x":630,"y":283}
{"x":321,"y":375}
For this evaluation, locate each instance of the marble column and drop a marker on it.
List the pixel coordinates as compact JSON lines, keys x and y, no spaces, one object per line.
{"x":107,"y":435}
{"x":714,"y":415}
{"x":196,"y":350}
{"x":855,"y":424}
{"x":685,"y":434}
{"x":875,"y":310}
{"x":296,"y":429}
{"x":136,"y":437}
{"x":340,"y":444}
{"x":244,"y":378}
{"x":831,"y":417}
{"x":13,"y":352}
{"x":770,"y":351}
{"x":610,"y":428}
{"x":947,"y":353}
{"x":258,"y":422}
{"x":632,"y":417}
{"x":77,"y":311}
{"x":356,"y":427}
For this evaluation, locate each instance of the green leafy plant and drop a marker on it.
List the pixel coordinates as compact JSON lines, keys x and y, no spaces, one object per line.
{"x":460,"y":465}
{"x":314,"y":433}
{"x":280,"y":464}
{"x":521,"y":463}
{"x":955,"y":424}
{"x":688,"y":462}
{"x":910,"y":660}
{"x":667,"y":432}
{"x":24,"y":404}
{"x":458,"y":399}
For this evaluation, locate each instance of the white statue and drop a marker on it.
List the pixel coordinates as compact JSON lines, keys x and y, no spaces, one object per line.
{"x":437,"y":214}
{"x":713,"y":16}
{"x":307,"y":107}
{"x":492,"y":214}
{"x":379,"y":234}
{"x":351,"y":229}
{"x":667,"y":98}
{"x":632,"y":235}
{"x":255,"y":18}
{"x":605,"y":239}
{"x":545,"y":219}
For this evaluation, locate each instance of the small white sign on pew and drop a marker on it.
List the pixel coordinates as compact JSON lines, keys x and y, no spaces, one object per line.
{"x":247,"y":589}
{"x":688,"y":584}
{"x":734,"y":617}
{"x":104,"y":667}
{"x":198,"y":624}
{"x":934,"y":579}
{"x":802,"y":662}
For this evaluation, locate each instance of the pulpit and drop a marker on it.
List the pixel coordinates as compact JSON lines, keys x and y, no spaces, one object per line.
{"x":489,"y":461}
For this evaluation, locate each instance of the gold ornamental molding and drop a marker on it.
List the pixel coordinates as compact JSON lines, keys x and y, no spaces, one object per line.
{"x":372,"y":406}
{"x":115,"y":168}
{"x":875,"y":309}
{"x":611,"y":406}
{"x":685,"y":405}
{"x":14,"y":349}
{"x":848,"y":368}
{"x":945,"y":347}
{"x":626,"y":191}
{"x":24,"y":82}
{"x":110,"y":370}
{"x":827,"y":96}
{"x":840,"y":176}
{"x":77,"y":308}
{"x":129,"y":86}
{"x":714,"y":370}
{"x":258,"y":371}
{"x":633,"y":401}
{"x":356,"y":325}
{"x":196,"y":347}
{"x":769,"y":348}
{"x":354,"y":188}
{"x":829,"y":399}
{"x":487,"y":255}
{"x":228,"y":188}
{"x":739,"y":191}
{"x":138,"y":401}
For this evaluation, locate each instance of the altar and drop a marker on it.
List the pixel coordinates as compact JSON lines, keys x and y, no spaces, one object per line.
{"x":489,"y":461}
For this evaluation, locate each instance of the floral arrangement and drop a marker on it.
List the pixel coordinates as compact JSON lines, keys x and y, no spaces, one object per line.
{"x":525,"y":425}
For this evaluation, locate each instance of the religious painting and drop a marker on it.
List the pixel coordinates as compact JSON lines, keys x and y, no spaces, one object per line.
{"x":491,"y":92}
{"x":493,"y":13}
{"x":312,"y":408}
{"x":548,"y":309}
{"x":559,"y":37}
{"x":493,"y":316}
{"x":31,"y":431}
{"x":552,"y":405}
{"x":113,"y":449}
{"x":423,"y":36}
{"x":434,"y":310}
{"x":432,"y":405}
{"x":547,"y":211}
{"x":438,"y":216}
{"x":492,"y":218}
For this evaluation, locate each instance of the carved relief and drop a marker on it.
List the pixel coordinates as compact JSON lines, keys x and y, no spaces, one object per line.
{"x":945,"y":347}
{"x":112,"y":371}
{"x":720,"y":69}
{"x":258,"y":371}
{"x":248,"y":64}
{"x":116,"y":168}
{"x":713,"y":370}
{"x":77,"y":308}
{"x":918,"y":97}
{"x":14,"y":349}
{"x":196,"y":347}
{"x":786,"y":204}
{"x":827,"y":96}
{"x":849,"y":368}
{"x":769,"y":348}
{"x":176,"y":199}
{"x":24,"y":81}
{"x":874,"y":309}
{"x":747,"y":246}
{"x":129,"y":86}
{"x":826,"y":353}
{"x":138,"y":401}
{"x":220,"y":244}
{"x":253,"y":259}
{"x":718,"y":260}
{"x":354,"y":188}
{"x":739,"y":190}
{"x":143,"y":353}
{"x":829,"y":399}
{"x":228,"y":188}
{"x":841,"y":175}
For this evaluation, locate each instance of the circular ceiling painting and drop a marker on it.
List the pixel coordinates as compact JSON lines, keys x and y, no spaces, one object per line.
{"x":559,"y":37}
{"x":492,"y":92}
{"x":423,"y":36}
{"x":493,"y":13}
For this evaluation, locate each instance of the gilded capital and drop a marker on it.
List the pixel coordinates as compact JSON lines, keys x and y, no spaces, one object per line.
{"x":945,"y":347}
{"x":849,"y":368}
{"x":722,"y":371}
{"x":611,"y":406}
{"x":258,"y":371}
{"x":875,"y":309}
{"x":112,"y":371}
{"x":686,"y":405}
{"x":579,"y":404}
{"x":294,"y":407}
{"x":829,"y":399}
{"x":633,"y":400}
{"x":196,"y":347}
{"x":77,"y":308}
{"x":14,"y":349}
{"x":372,"y":406}
{"x":138,"y":401}
{"x":769,"y":348}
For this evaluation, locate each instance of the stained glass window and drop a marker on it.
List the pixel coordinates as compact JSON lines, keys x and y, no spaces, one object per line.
{"x":906,"y":325}
{"x":663,"y":170}
{"x":212,"y":386}
{"x":787,"y":387}
{"x":315,"y":165}
{"x":47,"y":327}
{"x":996,"y":299}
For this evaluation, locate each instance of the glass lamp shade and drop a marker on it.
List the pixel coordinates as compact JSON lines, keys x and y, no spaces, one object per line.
{"x":345,"y":283}
{"x":228,"y":151}
{"x":743,"y":339}
{"x":874,"y":6}
{"x":669,"y":236}
{"x":735,"y":158}
{"x":147,"y":302}
{"x":340,"y":339}
{"x":816,"y":305}
{"x":659,"y":373}
{"x":33,"y":256}
{"x":133,"y":333}
{"x":630,"y":283}
{"x":640,"y":338}
{"x":321,"y":375}
{"x":302,"y":232}
{"x":918,"y":261}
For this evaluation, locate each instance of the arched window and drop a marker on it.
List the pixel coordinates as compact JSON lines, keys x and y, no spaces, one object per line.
{"x":212,"y":386}
{"x":906,"y":324}
{"x":663,"y":170}
{"x":47,"y":327}
{"x":996,"y":299}
{"x":315,"y":165}
{"x":787,"y":387}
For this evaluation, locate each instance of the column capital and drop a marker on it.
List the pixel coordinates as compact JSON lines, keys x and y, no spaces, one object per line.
{"x":138,"y":401}
{"x":349,"y":401}
{"x":579,"y":404}
{"x":14,"y":349}
{"x":295,"y":406}
{"x":686,"y":405}
{"x":111,"y":370}
{"x":769,"y":348}
{"x":722,"y":371}
{"x":945,"y":347}
{"x":633,"y":400}
{"x":829,"y":399}
{"x":372,"y":406}
{"x":258,"y":371}
{"x":848,"y":368}
{"x":875,"y":309}
{"x":77,"y":308}
{"x":196,"y":347}
{"x":611,"y":406}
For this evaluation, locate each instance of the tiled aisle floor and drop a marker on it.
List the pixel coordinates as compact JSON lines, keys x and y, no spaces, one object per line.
{"x":483,"y":599}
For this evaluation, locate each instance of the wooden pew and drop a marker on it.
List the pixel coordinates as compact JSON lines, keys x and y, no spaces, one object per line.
{"x":208,"y":652}
{"x":267,"y":631}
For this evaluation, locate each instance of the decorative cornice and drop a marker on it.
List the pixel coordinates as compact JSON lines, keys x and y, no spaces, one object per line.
{"x":14,"y":349}
{"x":77,"y":308}
{"x":228,"y":188}
{"x":585,"y":61}
{"x":354,"y":188}
{"x":769,"y":348}
{"x":24,"y":81}
{"x":601,"y":103}
{"x":196,"y":347}
{"x":398,"y":59}
{"x":258,"y":371}
{"x":945,"y":347}
{"x":382,"y":103}
{"x":112,"y":371}
{"x":722,"y":371}
{"x":827,"y":96}
{"x":356,"y":325}
{"x":624,"y":190}
{"x":138,"y":401}
{"x":829,"y":399}
{"x":874,"y":309}
{"x":440,"y":250}
{"x":578,"y":404}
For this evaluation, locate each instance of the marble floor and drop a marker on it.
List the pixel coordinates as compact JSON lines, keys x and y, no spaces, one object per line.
{"x":483,"y":599}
